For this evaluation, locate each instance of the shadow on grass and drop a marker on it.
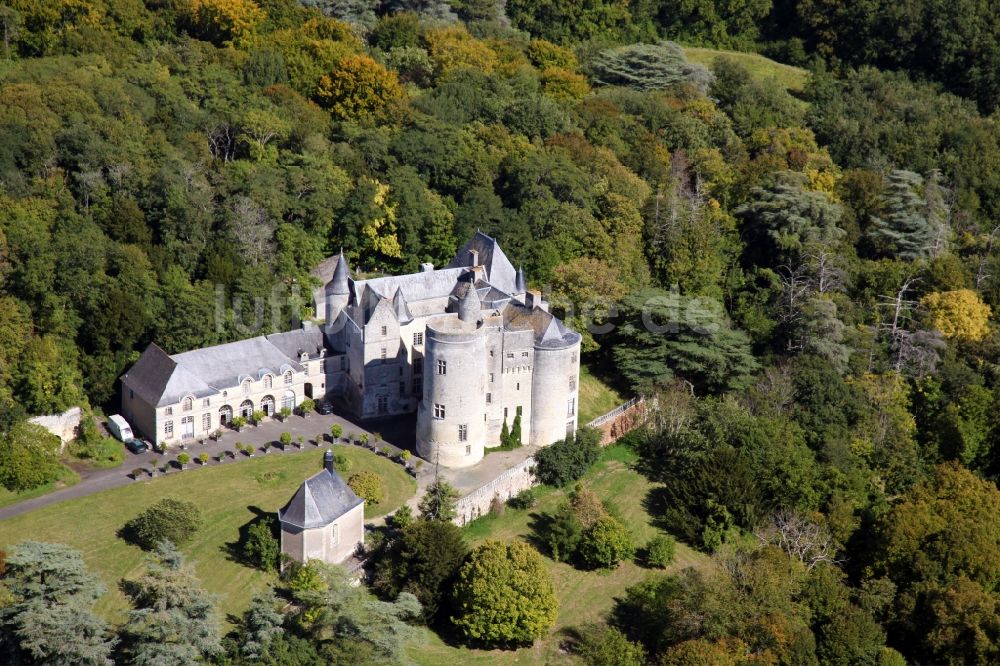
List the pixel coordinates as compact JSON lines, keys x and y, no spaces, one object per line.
{"x":235,"y":551}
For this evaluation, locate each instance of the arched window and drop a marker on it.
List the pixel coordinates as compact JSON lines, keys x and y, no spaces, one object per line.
{"x":288,"y":378}
{"x":246,"y":409}
{"x":288,"y":401}
{"x":267,"y":405}
{"x":267,"y":381}
{"x":246,"y":387}
{"x":225,"y":415}
{"x":188,"y":404}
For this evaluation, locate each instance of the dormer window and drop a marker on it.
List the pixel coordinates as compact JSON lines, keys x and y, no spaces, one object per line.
{"x":246,"y":387}
{"x":288,"y":378}
{"x":267,"y":381}
{"x":188,"y":404}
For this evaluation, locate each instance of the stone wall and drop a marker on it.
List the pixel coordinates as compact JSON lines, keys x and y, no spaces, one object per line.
{"x":509,"y":483}
{"x":64,"y":426}
{"x":620,"y":420}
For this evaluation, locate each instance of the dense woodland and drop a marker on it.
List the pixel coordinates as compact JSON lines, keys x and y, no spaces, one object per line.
{"x":806,"y":282}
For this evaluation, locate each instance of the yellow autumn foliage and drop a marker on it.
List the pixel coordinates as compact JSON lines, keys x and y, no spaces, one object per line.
{"x":361,"y":89}
{"x":957,"y":314}
{"x":226,"y":21}
{"x":453,"y":47}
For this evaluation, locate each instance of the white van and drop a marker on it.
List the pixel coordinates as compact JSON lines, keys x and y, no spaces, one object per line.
{"x":120,"y":428}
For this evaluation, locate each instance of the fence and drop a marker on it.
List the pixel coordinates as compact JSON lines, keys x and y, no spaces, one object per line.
{"x":616,"y":412}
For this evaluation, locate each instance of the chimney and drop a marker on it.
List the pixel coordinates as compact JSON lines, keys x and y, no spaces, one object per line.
{"x":473,"y":257}
{"x":427,"y":267}
{"x":533,"y":298}
{"x":328,"y":461}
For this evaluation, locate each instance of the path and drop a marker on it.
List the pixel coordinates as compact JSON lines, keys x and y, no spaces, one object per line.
{"x":95,"y":480}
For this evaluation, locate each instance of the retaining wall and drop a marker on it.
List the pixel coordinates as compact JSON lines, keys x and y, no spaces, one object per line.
{"x":62,"y":425}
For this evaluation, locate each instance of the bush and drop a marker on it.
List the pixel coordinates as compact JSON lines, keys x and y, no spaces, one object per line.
{"x":336,"y":430}
{"x":183,"y":459}
{"x":606,"y":543}
{"x":238,"y":422}
{"x":258,"y":416}
{"x":101,"y":451}
{"x":660,"y":551}
{"x":504,"y":595}
{"x":261,"y":547}
{"x":285,"y":438}
{"x":568,"y":459}
{"x":341,"y":463}
{"x":169,"y":519}
{"x":526,"y":499}
{"x":601,"y":645}
{"x":203,"y":458}
{"x":307,"y":406}
{"x":29,"y":457}
{"x":368,"y":486}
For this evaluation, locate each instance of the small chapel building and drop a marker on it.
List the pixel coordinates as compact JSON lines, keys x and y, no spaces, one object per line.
{"x":324,"y":520}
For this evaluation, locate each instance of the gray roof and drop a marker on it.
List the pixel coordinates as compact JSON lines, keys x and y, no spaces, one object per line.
{"x":149,"y":376}
{"x":499,"y":271}
{"x":403,"y":315}
{"x":308,"y":339}
{"x":341,"y":274}
{"x":418,"y":286}
{"x":319,"y":501}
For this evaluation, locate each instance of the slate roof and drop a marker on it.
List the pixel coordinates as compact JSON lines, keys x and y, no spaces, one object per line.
{"x":308,"y":339}
{"x":499,"y":271}
{"x":320,"y":500}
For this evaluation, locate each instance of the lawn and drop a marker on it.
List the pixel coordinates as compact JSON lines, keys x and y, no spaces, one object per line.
{"x":230,"y":496}
{"x":792,"y":79}
{"x":584,"y":596}
{"x":596,"y":397}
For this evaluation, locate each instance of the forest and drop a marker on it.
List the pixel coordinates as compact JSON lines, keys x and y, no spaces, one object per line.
{"x":805,"y":279}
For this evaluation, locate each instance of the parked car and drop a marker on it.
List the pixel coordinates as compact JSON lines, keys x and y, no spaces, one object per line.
{"x":324,"y":407}
{"x":136,"y":445}
{"x":119,"y":428}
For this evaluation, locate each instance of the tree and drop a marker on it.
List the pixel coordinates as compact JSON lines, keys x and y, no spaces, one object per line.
{"x":601,"y":645}
{"x":563,"y":21}
{"x":904,"y":230}
{"x":438,"y":502}
{"x":48,"y":617}
{"x":648,"y":67}
{"x":29,"y":457}
{"x":566,"y":460}
{"x":168,"y":519}
{"x":515,"y":431}
{"x":957,"y":314}
{"x":660,"y":551}
{"x":360,"y":89}
{"x":422,"y":562}
{"x":504,"y":595}
{"x":173,"y":619}
{"x":225,"y":21}
{"x":261,"y":627}
{"x":368,"y":486}
{"x":605,"y":543}
{"x":260,"y":546}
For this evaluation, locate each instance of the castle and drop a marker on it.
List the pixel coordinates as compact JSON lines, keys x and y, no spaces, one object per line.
{"x":467,"y":347}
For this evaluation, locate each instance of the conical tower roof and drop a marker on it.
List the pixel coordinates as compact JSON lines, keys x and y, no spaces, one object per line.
{"x":403,"y":315}
{"x":470,"y":305}
{"x":520,"y":284}
{"x":338,"y":284}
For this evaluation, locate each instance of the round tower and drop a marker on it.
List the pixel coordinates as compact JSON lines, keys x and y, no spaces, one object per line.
{"x":336,"y":293}
{"x":554,"y":387}
{"x":451,"y":426}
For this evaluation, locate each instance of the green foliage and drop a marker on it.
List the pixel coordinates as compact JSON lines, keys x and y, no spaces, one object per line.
{"x":368,"y":486}
{"x":601,"y":645}
{"x":438,"y":502}
{"x":261,"y":546}
{"x":336,"y":431}
{"x":90,"y":445}
{"x":605,"y":544}
{"x":48,"y":616}
{"x":183,"y":458}
{"x":29,"y":457}
{"x":647,"y":67}
{"x":168,"y":519}
{"x":525,"y":499}
{"x":566,"y":460}
{"x":504,"y":595}
{"x":307,"y":406}
{"x":285,"y":438}
{"x":173,"y":619}
{"x":660,"y":551}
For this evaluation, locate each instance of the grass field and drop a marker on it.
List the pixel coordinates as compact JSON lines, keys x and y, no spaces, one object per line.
{"x":584,"y":596}
{"x":230,"y":496}
{"x":793,"y":79}
{"x":596,"y":397}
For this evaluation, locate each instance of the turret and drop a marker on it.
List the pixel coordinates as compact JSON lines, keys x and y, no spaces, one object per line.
{"x":336,"y":294}
{"x":399,"y":306}
{"x":470,"y":306}
{"x":520,"y":284}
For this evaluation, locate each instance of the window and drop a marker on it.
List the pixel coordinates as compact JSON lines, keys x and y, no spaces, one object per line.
{"x":246,"y":387}
{"x":491,"y":353}
{"x":468,"y":449}
{"x":418,"y":385}
{"x":438,"y":411}
{"x":524,"y":354}
{"x":463,"y":433}
{"x":572,"y":383}
{"x":505,"y":412}
{"x":206,"y":402}
{"x":491,"y":378}
{"x":343,"y":363}
{"x":267,"y":381}
{"x":518,"y":385}
{"x":382,"y":353}
{"x":206,"y":422}
{"x":382,"y":404}
{"x":519,"y":410}
{"x":418,"y":339}
{"x":168,"y":429}
{"x":384,"y":330}
{"x":322,"y":366}
{"x":571,"y":407}
{"x":442,"y":367}
{"x":288,"y":378}
{"x":489,"y":398}
{"x":187,"y":427}
{"x":573,"y":357}
{"x":131,"y":394}
{"x":188,"y":404}
{"x":168,"y":411}
{"x":510,"y":354}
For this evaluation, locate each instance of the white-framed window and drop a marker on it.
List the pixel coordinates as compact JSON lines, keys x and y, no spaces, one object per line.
{"x":510,"y":354}
{"x":188,"y":404}
{"x":207,"y":402}
{"x":246,"y":387}
{"x":463,"y":433}
{"x":288,"y":378}
{"x":168,"y":411}
{"x":418,"y":339}
{"x":206,"y":422}
{"x":168,"y":429}
{"x":442,"y":367}
{"x":572,"y":383}
{"x":491,"y":378}
{"x":267,"y":381}
{"x":524,"y":354}
{"x":187,"y":427}
{"x":571,"y":407}
{"x":468,"y":449}
{"x":438,"y":411}
{"x":489,"y":398}
{"x":382,"y":353}
{"x":505,"y":412}
{"x":384,"y":330}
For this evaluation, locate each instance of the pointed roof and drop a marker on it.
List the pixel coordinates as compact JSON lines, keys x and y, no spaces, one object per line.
{"x":499,"y":271}
{"x":150,"y":374}
{"x":399,"y":306}
{"x":341,"y":274}
{"x":320,"y":500}
{"x":470,"y":305}
{"x":520,"y":284}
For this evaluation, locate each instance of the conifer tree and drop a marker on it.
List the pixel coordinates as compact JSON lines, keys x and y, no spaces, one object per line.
{"x":515,"y":431}
{"x":49,"y":619}
{"x":438,"y":503}
{"x":505,"y":434}
{"x":173,"y":621}
{"x":261,"y":625}
{"x":904,"y":230}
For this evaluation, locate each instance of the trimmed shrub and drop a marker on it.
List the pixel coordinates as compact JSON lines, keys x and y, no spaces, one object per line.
{"x":660,"y":551}
{"x":261,"y":547}
{"x":168,"y":519}
{"x":368,"y":486}
{"x":183,"y":459}
{"x":526,"y":499}
{"x":606,"y":543}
